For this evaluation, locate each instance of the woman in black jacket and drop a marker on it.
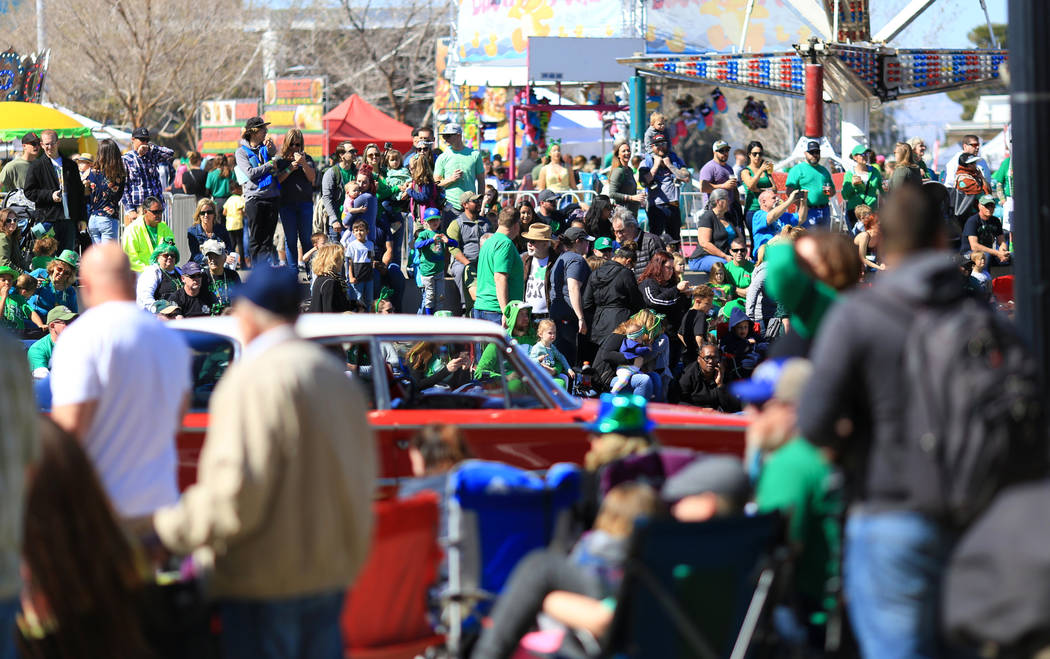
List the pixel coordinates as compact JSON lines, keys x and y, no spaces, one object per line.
{"x":611,"y":294}
{"x":664,"y":293}
{"x":329,"y":288}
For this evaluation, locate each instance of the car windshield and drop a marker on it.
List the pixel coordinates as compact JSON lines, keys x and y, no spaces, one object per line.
{"x":564,"y":399}
{"x":212,"y":355}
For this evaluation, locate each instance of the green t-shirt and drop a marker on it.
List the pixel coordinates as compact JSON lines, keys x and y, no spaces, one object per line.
{"x":152,"y":231}
{"x":216,"y":184}
{"x":39,"y":353}
{"x":798,"y":480}
{"x":431,"y":257}
{"x":812,"y":179}
{"x":751,"y":198}
{"x":466,"y":159}
{"x":498,"y":254}
{"x":1004,"y":176}
{"x":16,"y":312}
{"x":740,"y":275}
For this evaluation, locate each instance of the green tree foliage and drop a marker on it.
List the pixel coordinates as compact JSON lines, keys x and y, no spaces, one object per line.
{"x":968,"y":96}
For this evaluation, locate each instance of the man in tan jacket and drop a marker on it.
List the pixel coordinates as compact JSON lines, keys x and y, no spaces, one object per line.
{"x":285,"y":485}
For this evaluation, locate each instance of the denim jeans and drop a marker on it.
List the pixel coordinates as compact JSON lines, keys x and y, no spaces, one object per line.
{"x":103,"y":229}
{"x":362,"y":291}
{"x":704,"y":263}
{"x":297,"y":220}
{"x":493,"y":316}
{"x":295,"y":628}
{"x":894,"y":562}
{"x":8,"y":610}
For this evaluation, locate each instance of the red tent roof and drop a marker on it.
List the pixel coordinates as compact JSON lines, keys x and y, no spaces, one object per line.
{"x":358,"y":121}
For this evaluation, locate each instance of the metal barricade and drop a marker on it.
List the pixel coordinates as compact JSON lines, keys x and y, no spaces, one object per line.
{"x":513,"y":197}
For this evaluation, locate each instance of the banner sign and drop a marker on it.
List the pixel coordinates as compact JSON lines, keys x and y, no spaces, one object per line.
{"x":702,"y":26}
{"x":221,"y":123}
{"x":497,"y":31}
{"x":297,"y":103}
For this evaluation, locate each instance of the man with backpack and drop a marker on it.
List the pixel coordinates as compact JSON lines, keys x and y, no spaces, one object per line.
{"x":913,"y":391}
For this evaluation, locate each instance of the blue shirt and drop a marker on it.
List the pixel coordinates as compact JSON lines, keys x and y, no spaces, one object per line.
{"x":47,"y":298}
{"x":367,"y":200}
{"x":762,"y":232}
{"x":666,"y":190}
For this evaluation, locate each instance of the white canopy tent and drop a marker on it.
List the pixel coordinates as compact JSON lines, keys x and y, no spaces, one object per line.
{"x":580,"y":131}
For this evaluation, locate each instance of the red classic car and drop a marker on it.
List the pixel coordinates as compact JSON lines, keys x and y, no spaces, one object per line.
{"x":519,"y":415}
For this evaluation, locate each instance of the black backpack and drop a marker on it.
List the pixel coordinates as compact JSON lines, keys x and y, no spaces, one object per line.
{"x":974,"y":417}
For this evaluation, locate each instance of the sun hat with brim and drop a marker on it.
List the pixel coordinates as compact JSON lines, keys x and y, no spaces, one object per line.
{"x":538,"y":231}
{"x":603,"y":243}
{"x":6,"y":270}
{"x":70,"y":258}
{"x":60,"y":313}
{"x":622,"y":414}
{"x":166,"y":246}
{"x":85,"y":157}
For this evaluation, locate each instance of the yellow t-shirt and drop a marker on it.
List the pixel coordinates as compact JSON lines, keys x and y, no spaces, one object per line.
{"x":234,"y":209}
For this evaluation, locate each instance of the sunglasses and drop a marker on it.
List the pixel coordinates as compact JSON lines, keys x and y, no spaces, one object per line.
{"x":738,"y":250}
{"x":725,"y":150}
{"x":155,"y":211}
{"x":756,"y":153}
{"x":207,"y":212}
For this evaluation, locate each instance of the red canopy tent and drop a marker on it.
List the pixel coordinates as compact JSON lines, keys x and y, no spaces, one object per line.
{"x":358,"y":121}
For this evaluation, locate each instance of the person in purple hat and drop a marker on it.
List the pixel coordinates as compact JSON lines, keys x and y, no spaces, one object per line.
{"x":193,"y":299}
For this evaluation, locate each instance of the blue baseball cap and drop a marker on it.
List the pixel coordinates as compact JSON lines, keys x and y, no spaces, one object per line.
{"x":273,"y":289}
{"x":783,"y":378}
{"x":431,"y":213}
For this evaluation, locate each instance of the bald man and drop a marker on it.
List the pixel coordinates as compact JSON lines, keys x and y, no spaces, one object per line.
{"x":120,"y":382}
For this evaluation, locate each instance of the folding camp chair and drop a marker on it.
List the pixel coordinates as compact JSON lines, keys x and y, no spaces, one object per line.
{"x":497,"y":515}
{"x":697,"y":589}
{"x":385,"y":613}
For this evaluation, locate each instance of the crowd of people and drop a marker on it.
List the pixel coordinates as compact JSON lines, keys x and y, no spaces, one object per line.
{"x":802,"y":326}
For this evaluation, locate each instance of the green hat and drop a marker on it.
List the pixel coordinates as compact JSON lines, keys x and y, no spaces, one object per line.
{"x":5,"y":270}
{"x":602,"y":243}
{"x":60,"y":313}
{"x":622,"y":414}
{"x":860,"y":149}
{"x":987,"y":199}
{"x":443,"y":313}
{"x":166,"y":246}
{"x":69,"y":257}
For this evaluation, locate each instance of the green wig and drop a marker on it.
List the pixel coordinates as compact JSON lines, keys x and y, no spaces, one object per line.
{"x":166,"y":246}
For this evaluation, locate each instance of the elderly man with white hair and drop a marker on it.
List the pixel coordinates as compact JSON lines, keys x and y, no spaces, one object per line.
{"x":626,"y":230}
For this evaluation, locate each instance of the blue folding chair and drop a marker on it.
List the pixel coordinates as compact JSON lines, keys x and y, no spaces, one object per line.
{"x":497,"y":515}
{"x":697,"y":589}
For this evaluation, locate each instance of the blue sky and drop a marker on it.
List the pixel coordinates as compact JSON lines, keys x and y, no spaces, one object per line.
{"x":944,"y":25}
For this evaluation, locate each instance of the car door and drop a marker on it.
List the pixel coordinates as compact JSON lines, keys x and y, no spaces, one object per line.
{"x":507,"y":408}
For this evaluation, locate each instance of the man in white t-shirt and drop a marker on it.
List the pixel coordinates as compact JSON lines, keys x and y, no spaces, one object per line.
{"x":970,"y":144}
{"x":535,"y":262}
{"x":120,"y":382}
